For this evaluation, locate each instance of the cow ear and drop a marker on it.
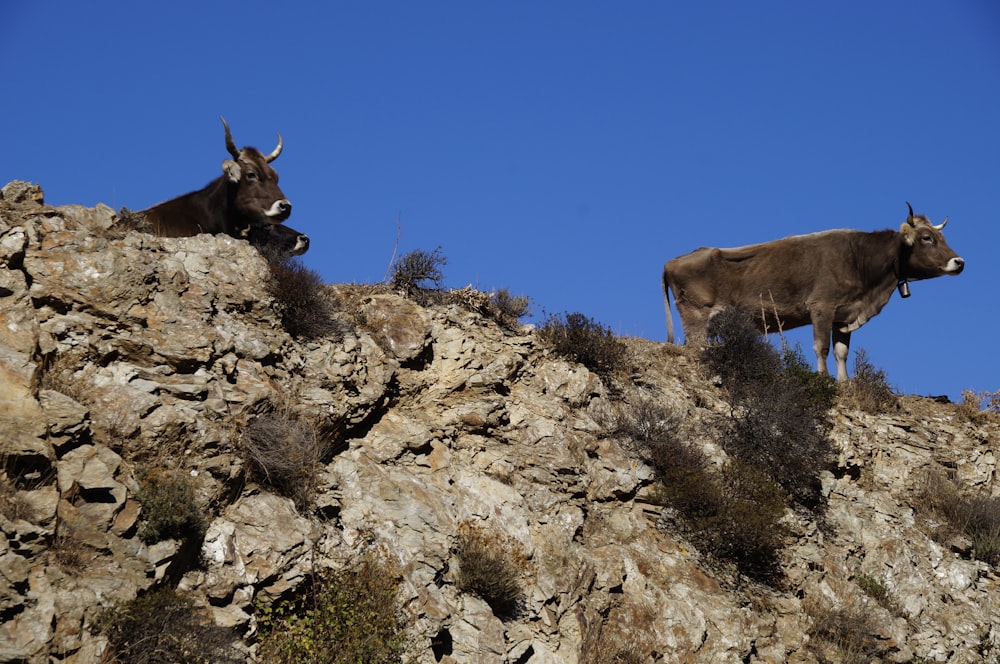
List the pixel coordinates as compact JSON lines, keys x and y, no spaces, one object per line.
{"x":232,"y":170}
{"x":909,"y":232}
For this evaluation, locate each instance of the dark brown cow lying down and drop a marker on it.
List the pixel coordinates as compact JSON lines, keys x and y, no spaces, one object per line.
{"x":277,"y":242}
{"x":245,"y":202}
{"x":833,"y":280}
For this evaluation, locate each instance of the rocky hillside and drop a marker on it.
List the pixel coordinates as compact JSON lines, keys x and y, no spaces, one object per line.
{"x":125,"y":356}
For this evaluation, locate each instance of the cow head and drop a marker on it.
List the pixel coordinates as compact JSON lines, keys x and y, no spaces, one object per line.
{"x":276,"y":242}
{"x":925,"y":253}
{"x":253,"y":184}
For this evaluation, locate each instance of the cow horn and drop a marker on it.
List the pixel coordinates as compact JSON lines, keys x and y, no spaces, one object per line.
{"x":941,"y":225}
{"x":274,"y":155}
{"x":909,"y":206}
{"x":230,"y":144}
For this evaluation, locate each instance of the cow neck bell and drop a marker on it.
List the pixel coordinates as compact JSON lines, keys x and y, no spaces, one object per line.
{"x":904,"y":288}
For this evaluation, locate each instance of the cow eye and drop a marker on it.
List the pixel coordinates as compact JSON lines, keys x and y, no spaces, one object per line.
{"x":928,"y":239}
{"x":251,"y":175}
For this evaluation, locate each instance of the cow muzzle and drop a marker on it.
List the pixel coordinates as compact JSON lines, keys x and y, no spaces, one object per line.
{"x":280,"y":210}
{"x":955,"y":265}
{"x":301,"y":245}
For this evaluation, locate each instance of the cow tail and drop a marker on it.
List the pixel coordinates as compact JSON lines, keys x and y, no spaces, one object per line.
{"x":666,"y":304}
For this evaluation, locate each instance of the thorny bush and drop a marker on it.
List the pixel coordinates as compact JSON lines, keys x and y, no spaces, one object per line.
{"x":778,"y":408}
{"x":584,"y":340}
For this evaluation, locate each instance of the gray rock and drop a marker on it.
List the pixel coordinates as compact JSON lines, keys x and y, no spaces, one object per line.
{"x":130,"y":354}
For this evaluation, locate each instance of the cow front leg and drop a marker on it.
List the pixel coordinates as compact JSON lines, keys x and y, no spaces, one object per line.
{"x":841,"y":348}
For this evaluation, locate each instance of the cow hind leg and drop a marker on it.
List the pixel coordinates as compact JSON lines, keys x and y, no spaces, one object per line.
{"x":841,"y":348}
{"x":822,"y":325}
{"x":695,"y":322}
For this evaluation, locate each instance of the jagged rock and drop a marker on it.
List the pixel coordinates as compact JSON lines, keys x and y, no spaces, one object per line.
{"x":260,"y":541}
{"x":123,"y":353}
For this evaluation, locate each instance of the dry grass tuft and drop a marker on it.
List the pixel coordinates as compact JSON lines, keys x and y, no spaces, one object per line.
{"x":621,"y":637}
{"x":842,"y":635}
{"x":976,"y":517}
{"x":491,"y":565}
{"x":284,"y":453}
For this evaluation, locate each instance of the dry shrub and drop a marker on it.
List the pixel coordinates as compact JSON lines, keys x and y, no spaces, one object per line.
{"x":13,"y":505}
{"x":69,"y":553}
{"x":162,"y":627}
{"x":507,"y":309}
{"x":419,"y":277}
{"x":504,"y":308}
{"x":284,"y":453}
{"x":113,"y":420}
{"x":19,"y":474}
{"x":339,"y":617}
{"x":869,"y":390}
{"x":978,"y":407}
{"x":646,"y":422}
{"x":169,"y":508}
{"x":778,"y":407}
{"x":130,"y":220}
{"x":491,"y":565}
{"x":584,"y":340}
{"x":733,"y":515}
{"x":69,"y":372}
{"x":299,"y":294}
{"x":418,"y":270}
{"x":844,"y":635}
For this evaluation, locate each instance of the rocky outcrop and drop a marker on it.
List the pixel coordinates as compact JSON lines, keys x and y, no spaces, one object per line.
{"x":121,"y":352}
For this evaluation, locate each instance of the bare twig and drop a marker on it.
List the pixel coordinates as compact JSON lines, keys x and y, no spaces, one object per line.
{"x":395,"y":248}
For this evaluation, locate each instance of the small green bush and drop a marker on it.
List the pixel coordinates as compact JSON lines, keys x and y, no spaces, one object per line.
{"x":869,"y":390}
{"x":584,"y":340}
{"x":346,"y":616}
{"x":820,"y":391}
{"x":162,"y":627}
{"x":301,"y":300}
{"x":879,"y":592}
{"x":169,"y":508}
{"x":737,"y":352}
{"x":688,"y":484}
{"x":491,"y":565}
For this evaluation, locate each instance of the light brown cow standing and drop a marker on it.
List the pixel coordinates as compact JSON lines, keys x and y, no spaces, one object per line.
{"x":834,"y":280}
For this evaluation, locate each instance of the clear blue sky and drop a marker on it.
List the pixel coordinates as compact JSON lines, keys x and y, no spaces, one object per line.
{"x":561,"y":150}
